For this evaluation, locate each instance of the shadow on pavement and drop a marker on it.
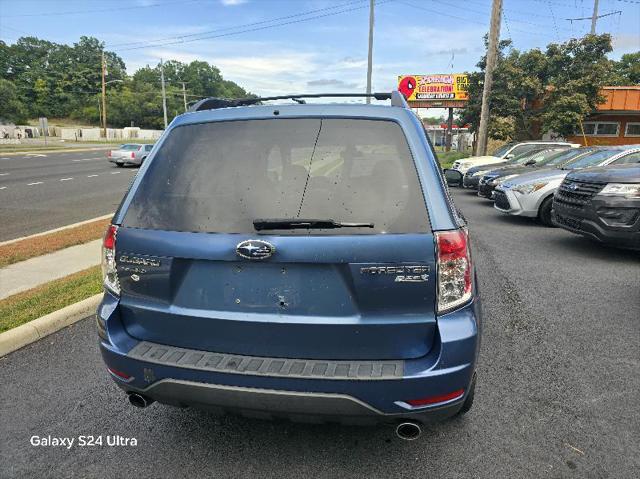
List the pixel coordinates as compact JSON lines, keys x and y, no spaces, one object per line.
{"x":592,"y":249}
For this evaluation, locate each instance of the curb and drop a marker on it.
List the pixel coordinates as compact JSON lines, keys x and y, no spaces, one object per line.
{"x":53,"y":150}
{"x":62,"y":228}
{"x":39,"y":328}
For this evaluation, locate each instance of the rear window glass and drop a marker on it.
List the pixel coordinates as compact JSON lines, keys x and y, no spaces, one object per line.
{"x":129,"y":147}
{"x":562,"y":157}
{"x":219,"y":177}
{"x":627,"y":160}
{"x":592,"y":159}
{"x":520,"y":149}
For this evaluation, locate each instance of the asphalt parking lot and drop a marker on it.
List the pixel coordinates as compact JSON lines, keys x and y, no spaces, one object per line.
{"x":557,"y":394}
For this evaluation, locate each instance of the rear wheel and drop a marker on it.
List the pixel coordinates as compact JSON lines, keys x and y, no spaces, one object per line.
{"x":544,"y":214}
{"x":468,"y":402}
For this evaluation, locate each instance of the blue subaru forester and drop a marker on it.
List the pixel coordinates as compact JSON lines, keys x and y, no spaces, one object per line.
{"x":293,"y":260}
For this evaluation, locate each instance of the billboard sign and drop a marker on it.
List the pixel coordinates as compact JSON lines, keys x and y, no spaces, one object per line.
{"x":452,"y":88}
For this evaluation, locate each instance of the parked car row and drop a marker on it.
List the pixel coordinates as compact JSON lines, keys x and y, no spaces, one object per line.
{"x":129,"y":154}
{"x":593,"y":191}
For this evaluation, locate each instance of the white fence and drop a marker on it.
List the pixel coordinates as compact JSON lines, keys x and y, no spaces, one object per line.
{"x":19,"y":132}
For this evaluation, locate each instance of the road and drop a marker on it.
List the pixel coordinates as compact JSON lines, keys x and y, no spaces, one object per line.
{"x":557,"y":394}
{"x":42,"y":191}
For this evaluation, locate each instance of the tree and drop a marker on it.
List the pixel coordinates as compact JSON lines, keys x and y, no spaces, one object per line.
{"x":11,"y":108}
{"x":56,"y":80}
{"x":627,"y":70}
{"x":538,"y":91}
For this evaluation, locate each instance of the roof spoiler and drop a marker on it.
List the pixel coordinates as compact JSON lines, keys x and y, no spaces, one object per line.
{"x":397,"y":99}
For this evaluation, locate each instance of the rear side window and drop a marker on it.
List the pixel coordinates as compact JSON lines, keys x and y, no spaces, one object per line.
{"x":519,"y":150}
{"x":218,"y":177}
{"x":628,"y":159}
{"x":592,"y":159}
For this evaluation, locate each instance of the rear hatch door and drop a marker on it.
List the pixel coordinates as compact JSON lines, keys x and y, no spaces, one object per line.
{"x":196,"y":273}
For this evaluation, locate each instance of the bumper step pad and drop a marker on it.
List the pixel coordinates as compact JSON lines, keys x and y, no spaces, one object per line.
{"x":262,"y":366}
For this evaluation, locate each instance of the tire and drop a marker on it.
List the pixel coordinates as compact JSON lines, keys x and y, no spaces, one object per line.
{"x":468,"y":402}
{"x":544,"y":213}
{"x":119,"y":165}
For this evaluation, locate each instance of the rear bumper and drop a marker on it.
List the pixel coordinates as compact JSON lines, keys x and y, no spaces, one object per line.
{"x":307,"y":396}
{"x":125,"y":161}
{"x":293,"y":405}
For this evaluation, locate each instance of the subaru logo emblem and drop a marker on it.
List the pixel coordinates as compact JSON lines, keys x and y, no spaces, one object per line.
{"x":573,"y":186}
{"x":255,"y":249}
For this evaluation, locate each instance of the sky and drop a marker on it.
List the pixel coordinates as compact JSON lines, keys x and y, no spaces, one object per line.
{"x":272,"y":47}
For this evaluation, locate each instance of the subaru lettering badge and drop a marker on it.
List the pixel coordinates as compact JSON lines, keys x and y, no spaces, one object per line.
{"x":255,"y":249}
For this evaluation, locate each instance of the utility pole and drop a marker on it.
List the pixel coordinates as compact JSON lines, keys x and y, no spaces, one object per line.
{"x":104,"y":97}
{"x":594,"y":17}
{"x":492,"y":56}
{"x":184,"y":96}
{"x":164,"y":94}
{"x":370,"y":60}
{"x":449,"y":132}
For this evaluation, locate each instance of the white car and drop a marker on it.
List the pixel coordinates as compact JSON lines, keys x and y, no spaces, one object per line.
{"x":505,"y":152}
{"x":531,"y":194}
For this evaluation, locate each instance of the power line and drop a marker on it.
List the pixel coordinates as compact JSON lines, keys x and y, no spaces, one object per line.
{"x":618,"y":12}
{"x":555,"y":24}
{"x":266,"y":27}
{"x":246,"y":25}
{"x":409,"y":4}
{"x":466,"y":9}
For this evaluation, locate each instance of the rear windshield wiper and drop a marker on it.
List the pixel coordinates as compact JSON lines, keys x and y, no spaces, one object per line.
{"x":300,"y":223}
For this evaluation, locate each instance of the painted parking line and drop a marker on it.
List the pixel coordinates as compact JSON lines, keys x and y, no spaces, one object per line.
{"x":116,"y":172}
{"x":36,"y":183}
{"x":3,"y":187}
{"x":65,"y":179}
{"x":91,"y":176}
{"x":4,"y":174}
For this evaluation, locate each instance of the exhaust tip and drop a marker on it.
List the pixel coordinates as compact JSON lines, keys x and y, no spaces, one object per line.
{"x":138,"y":400}
{"x":408,"y":431}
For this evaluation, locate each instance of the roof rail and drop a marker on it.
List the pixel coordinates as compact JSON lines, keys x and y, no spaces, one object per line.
{"x":397,"y":99}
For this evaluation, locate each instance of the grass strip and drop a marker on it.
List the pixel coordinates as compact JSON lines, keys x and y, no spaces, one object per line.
{"x":447,"y":158}
{"x":32,"y":247}
{"x":47,"y":298}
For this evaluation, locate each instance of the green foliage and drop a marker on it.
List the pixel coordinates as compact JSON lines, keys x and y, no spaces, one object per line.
{"x":627,"y":70}
{"x":538,"y":91}
{"x":433,"y":120}
{"x":11,"y":108}
{"x":41,"y":78}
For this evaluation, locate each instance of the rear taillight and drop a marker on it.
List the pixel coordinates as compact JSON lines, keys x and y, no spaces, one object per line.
{"x":109,"y":271}
{"x":133,"y":155}
{"x":109,"y":154}
{"x":454,"y":269}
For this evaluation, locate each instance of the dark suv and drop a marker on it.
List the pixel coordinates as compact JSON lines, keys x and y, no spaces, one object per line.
{"x":601,"y":203}
{"x":293,"y":260}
